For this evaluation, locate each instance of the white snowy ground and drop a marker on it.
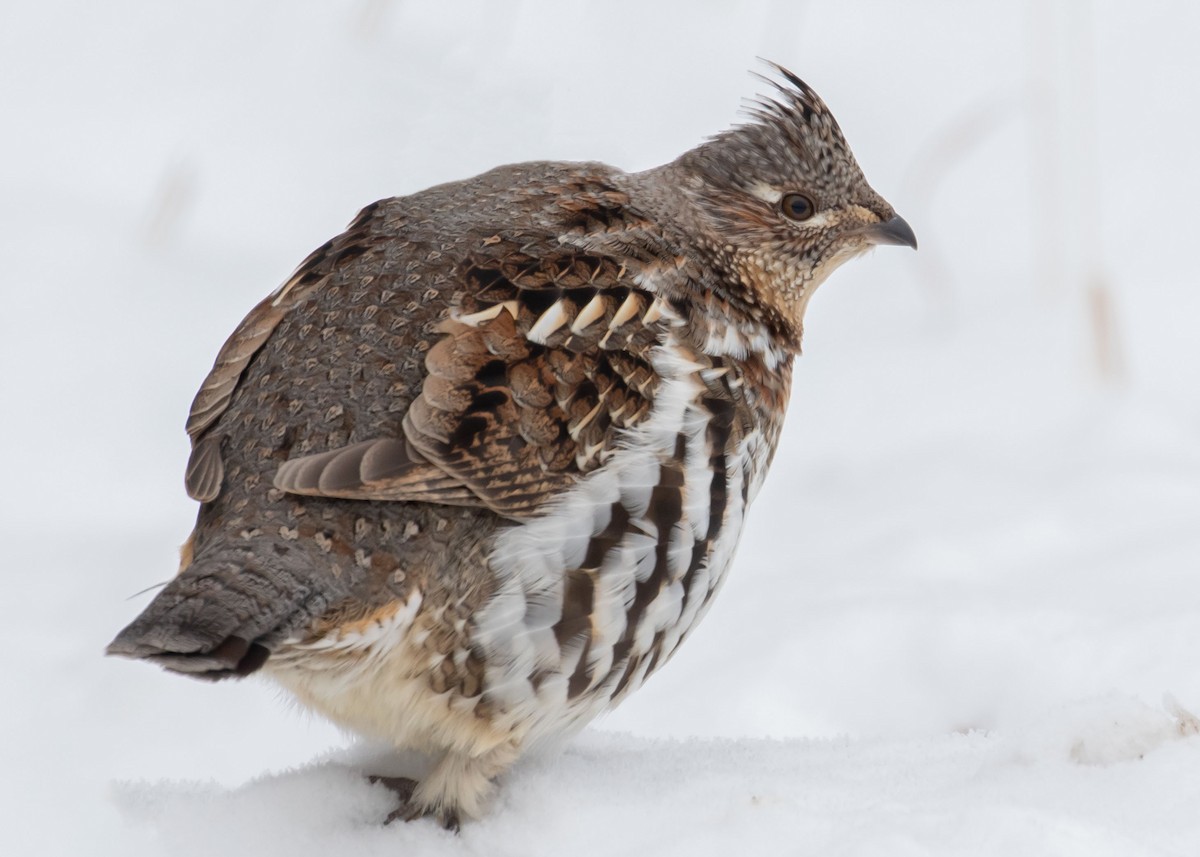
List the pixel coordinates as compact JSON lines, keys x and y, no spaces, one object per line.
{"x":965,"y":618}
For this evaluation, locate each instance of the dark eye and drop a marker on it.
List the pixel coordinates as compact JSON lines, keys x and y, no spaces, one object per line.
{"x":797,"y":206}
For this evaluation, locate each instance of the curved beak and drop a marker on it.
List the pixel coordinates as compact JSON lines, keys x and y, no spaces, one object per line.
{"x":894,"y":231}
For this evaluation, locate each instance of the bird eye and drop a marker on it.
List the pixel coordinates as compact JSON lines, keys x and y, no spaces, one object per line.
{"x":797,"y":206}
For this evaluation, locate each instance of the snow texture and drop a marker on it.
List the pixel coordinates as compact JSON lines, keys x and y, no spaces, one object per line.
{"x":965,"y":617}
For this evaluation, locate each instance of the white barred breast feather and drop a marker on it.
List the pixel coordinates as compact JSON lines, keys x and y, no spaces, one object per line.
{"x":637,"y":548}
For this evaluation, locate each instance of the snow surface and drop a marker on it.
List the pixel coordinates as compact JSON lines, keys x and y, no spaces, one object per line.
{"x":965,"y":618}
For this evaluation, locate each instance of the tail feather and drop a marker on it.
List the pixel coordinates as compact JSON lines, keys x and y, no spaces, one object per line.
{"x":224,"y":614}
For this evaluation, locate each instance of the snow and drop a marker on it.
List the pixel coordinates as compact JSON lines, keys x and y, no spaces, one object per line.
{"x":966,"y":612}
{"x":959,"y":794}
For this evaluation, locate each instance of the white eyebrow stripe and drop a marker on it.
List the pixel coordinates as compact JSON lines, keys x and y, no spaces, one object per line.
{"x":766,"y":192}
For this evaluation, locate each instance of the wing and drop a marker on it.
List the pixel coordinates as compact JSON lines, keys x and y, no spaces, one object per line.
{"x":546,"y":362}
{"x":205,"y":470}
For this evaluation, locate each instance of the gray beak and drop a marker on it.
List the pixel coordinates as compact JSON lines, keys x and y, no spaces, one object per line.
{"x":894,"y":231}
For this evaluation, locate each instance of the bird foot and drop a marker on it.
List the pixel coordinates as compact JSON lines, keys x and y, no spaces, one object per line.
{"x":411,"y":810}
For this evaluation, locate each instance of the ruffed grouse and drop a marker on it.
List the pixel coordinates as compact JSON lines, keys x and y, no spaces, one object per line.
{"x":475,"y":471}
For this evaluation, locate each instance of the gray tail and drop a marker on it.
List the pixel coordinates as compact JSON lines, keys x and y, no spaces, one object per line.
{"x":223,"y":615}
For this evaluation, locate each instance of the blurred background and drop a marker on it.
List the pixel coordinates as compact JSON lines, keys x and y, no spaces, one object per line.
{"x":987,"y":499}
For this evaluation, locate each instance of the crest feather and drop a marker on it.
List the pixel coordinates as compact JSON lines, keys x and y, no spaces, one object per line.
{"x":794,"y":108}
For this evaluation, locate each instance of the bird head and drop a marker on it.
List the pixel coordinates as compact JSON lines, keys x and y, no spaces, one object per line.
{"x":779,"y":202}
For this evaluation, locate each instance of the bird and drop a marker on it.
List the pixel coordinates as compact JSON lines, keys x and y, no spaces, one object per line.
{"x":479,"y":466}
